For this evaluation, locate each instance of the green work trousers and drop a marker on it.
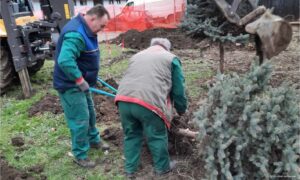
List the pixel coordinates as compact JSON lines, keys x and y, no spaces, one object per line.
{"x":136,"y":121}
{"x":81,"y":119}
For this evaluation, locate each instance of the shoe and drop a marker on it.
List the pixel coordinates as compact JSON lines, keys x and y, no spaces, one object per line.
{"x":86,"y":163}
{"x":171,"y":167}
{"x":130,"y":175}
{"x":101,"y":145}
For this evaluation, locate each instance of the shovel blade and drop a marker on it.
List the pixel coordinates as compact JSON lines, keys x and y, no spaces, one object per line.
{"x":274,"y":32}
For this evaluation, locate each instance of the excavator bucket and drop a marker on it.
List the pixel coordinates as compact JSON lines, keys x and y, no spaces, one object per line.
{"x":274,"y":32}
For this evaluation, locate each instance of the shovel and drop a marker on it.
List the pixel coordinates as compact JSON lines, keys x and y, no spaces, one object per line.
{"x":98,"y":91}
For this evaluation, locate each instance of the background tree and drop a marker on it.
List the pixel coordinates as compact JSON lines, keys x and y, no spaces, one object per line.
{"x":204,"y":18}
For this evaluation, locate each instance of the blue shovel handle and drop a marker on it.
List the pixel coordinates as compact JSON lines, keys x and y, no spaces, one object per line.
{"x":101,"y":92}
{"x":107,"y":85}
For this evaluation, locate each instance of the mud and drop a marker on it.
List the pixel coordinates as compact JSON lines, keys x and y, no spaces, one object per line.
{"x":113,"y":135}
{"x":178,"y":144}
{"x":49,"y":103}
{"x":37,"y":169}
{"x":106,"y":111}
{"x":17,"y":141}
{"x":140,"y":40}
{"x":10,"y":173}
{"x":182,"y":149}
{"x":112,"y":82}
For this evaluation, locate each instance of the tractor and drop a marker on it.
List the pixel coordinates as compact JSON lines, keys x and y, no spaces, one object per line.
{"x":27,"y":40}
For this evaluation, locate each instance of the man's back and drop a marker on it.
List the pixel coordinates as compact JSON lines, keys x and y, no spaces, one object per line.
{"x":148,"y":76}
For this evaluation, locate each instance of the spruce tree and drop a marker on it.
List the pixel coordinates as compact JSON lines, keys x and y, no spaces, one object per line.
{"x":253,"y":128}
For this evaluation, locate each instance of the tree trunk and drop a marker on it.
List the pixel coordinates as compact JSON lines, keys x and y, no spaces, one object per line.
{"x":221,"y":47}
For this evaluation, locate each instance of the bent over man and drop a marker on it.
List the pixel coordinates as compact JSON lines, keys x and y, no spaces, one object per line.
{"x":76,"y":69}
{"x":152,"y":84}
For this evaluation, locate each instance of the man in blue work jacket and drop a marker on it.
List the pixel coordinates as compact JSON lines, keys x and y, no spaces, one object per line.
{"x":76,"y":68}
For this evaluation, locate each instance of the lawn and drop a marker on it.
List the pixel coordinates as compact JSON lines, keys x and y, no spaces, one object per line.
{"x":47,"y":138}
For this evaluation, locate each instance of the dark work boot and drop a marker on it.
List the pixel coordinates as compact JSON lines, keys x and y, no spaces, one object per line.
{"x":101,"y":145}
{"x":172,"y":166}
{"x":86,"y":163}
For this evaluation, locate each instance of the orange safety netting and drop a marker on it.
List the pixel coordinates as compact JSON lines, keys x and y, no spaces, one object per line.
{"x":146,"y":15}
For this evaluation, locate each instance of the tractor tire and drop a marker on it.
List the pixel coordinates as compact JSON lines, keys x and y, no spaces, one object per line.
{"x":7,"y":71}
{"x":35,"y":68}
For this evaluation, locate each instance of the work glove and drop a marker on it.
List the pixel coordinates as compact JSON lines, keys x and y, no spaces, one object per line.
{"x":82,"y":84}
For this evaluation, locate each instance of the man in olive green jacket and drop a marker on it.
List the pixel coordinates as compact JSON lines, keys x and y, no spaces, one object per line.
{"x":151,"y":86}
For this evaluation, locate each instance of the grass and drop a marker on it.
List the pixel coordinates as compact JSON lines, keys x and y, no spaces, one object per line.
{"x":116,"y":70}
{"x":109,"y":51}
{"x":47,"y":138}
{"x":46,"y":142}
{"x":196,"y":71}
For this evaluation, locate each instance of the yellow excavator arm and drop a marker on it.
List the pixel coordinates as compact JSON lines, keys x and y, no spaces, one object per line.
{"x":21,"y":21}
{"x":2,"y":29}
{"x":273,"y":31}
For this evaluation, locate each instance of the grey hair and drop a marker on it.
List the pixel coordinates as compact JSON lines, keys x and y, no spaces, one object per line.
{"x":162,"y":42}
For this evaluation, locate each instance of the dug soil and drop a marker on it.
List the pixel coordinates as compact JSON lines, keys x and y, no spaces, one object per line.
{"x":185,"y":151}
{"x":17,"y":141}
{"x":49,"y":103}
{"x":181,"y":149}
{"x":140,"y":40}
{"x":8,"y":172}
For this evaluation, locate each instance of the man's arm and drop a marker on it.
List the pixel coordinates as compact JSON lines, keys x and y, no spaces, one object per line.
{"x":178,"y":95}
{"x":73,"y":45}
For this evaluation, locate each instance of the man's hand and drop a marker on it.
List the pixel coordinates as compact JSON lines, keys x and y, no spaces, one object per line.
{"x":82,"y":84}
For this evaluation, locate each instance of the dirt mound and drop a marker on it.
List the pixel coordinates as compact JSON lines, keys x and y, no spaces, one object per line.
{"x":112,"y":82}
{"x":181,"y":148}
{"x":140,"y":40}
{"x":8,"y":172}
{"x":49,"y":103}
{"x":178,"y":144}
{"x":17,"y":141}
{"x":113,"y":135}
{"x":106,"y":111}
{"x":36,"y":169}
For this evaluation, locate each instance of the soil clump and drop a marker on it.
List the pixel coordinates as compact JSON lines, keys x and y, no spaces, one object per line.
{"x":49,"y":103}
{"x":17,"y":141}
{"x":8,"y":172}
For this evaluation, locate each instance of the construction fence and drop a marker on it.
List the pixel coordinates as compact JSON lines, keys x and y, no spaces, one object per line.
{"x":142,"y":15}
